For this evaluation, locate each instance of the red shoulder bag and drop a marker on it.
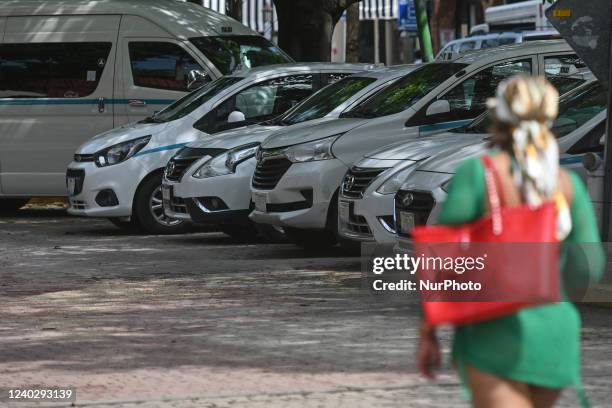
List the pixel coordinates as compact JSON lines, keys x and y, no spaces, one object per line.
{"x":523,"y":241}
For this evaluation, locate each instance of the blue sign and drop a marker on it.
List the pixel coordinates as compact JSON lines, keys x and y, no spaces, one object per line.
{"x":406,"y":15}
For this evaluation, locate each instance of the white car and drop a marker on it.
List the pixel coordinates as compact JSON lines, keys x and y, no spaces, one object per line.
{"x":298,"y":174}
{"x":118,"y":174}
{"x":208,"y":181}
{"x":419,"y":200}
{"x":366,"y":208}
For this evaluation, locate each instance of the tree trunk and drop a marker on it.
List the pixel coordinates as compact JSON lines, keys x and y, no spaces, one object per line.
{"x":352,"y":33}
{"x":234,"y":9}
{"x":305,"y":27}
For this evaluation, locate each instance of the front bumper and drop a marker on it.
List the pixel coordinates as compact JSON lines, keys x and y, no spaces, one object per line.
{"x":217,"y":200}
{"x":93,"y":180}
{"x":302,"y":196}
{"x":368,"y":219}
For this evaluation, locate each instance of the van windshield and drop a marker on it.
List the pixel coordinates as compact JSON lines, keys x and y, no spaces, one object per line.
{"x":234,"y":52}
{"x":193,"y":100}
{"x":325,"y":101}
{"x":405,"y":92}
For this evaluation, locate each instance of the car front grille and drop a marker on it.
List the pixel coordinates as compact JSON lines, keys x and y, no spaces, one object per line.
{"x":78,"y":175}
{"x":178,"y":165}
{"x":269,"y":172}
{"x":357,"y":179}
{"x":418,"y":203}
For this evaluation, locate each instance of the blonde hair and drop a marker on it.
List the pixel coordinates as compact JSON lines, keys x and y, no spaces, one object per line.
{"x":519,"y":100}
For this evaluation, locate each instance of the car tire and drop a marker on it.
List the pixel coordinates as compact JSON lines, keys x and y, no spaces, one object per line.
{"x":9,"y":206}
{"x":148,"y":212}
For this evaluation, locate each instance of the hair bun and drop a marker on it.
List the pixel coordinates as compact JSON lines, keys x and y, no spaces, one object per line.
{"x":529,"y":99}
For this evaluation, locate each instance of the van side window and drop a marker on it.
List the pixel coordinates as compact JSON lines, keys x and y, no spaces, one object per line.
{"x":259,"y":102}
{"x":51,"y":70}
{"x":161,"y":65}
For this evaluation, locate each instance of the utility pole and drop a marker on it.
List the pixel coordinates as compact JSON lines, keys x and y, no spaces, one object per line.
{"x":424,"y":33}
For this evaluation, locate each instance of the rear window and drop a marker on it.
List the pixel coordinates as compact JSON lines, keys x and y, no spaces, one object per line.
{"x":231,"y":53}
{"x":406,"y":91}
{"x":51,"y":70}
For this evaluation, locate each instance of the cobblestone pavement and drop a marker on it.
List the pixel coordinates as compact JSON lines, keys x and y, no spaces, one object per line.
{"x":199,"y":321}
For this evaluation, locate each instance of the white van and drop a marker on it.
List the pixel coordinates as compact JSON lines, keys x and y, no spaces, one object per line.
{"x":71,"y":70}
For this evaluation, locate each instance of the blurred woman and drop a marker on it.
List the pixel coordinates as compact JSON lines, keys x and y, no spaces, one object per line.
{"x":527,"y":358}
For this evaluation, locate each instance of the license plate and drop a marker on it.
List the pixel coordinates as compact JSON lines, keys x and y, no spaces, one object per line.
{"x":166,"y":193}
{"x":71,"y":185}
{"x":406,"y":221}
{"x":261,"y":201}
{"x":344,"y":208}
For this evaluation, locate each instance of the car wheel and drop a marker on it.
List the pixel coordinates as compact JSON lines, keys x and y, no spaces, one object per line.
{"x":9,"y":206}
{"x":149,"y":211}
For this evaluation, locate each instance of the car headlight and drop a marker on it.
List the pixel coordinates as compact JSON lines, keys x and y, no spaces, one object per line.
{"x":227,"y":162}
{"x":311,"y":151}
{"x":120,"y":152}
{"x":395,"y":180}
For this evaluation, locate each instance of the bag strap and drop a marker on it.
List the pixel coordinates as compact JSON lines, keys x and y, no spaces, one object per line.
{"x":492,"y":195}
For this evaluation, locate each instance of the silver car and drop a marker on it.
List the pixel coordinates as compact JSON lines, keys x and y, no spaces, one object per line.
{"x":366,"y":196}
{"x":579,"y":128}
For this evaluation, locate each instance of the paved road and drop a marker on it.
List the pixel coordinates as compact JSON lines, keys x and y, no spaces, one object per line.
{"x":198,"y":321}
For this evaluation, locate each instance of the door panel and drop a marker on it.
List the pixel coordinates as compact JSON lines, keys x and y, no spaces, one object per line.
{"x":56,"y":92}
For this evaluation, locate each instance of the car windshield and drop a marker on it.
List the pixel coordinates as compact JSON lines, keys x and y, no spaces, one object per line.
{"x":406,"y":91}
{"x":193,"y":100}
{"x":235,"y":52}
{"x":575,"y":109}
{"x":326,"y":100}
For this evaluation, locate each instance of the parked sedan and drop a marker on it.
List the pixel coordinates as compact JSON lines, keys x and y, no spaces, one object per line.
{"x":118,"y":174}
{"x":208,"y":181}
{"x":420,"y":198}
{"x":368,"y":189}
{"x":298,"y":173}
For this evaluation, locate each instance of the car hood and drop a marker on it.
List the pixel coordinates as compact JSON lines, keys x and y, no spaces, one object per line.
{"x":236,"y":137}
{"x":121,"y":134}
{"x":425,"y":147}
{"x":309,"y":131}
{"x":447,"y":160}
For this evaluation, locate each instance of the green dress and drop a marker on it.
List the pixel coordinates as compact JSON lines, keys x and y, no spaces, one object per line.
{"x":538,"y":345}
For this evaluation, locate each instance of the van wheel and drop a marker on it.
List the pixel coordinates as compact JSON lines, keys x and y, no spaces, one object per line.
{"x":9,"y":206}
{"x":149,"y":211}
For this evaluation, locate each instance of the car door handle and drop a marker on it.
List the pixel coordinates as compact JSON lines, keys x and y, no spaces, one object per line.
{"x":137,"y":103}
{"x":101,"y":105}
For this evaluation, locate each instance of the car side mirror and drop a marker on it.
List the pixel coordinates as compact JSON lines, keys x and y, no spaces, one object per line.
{"x":438,"y":107}
{"x":196,"y":79}
{"x":236,"y":116}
